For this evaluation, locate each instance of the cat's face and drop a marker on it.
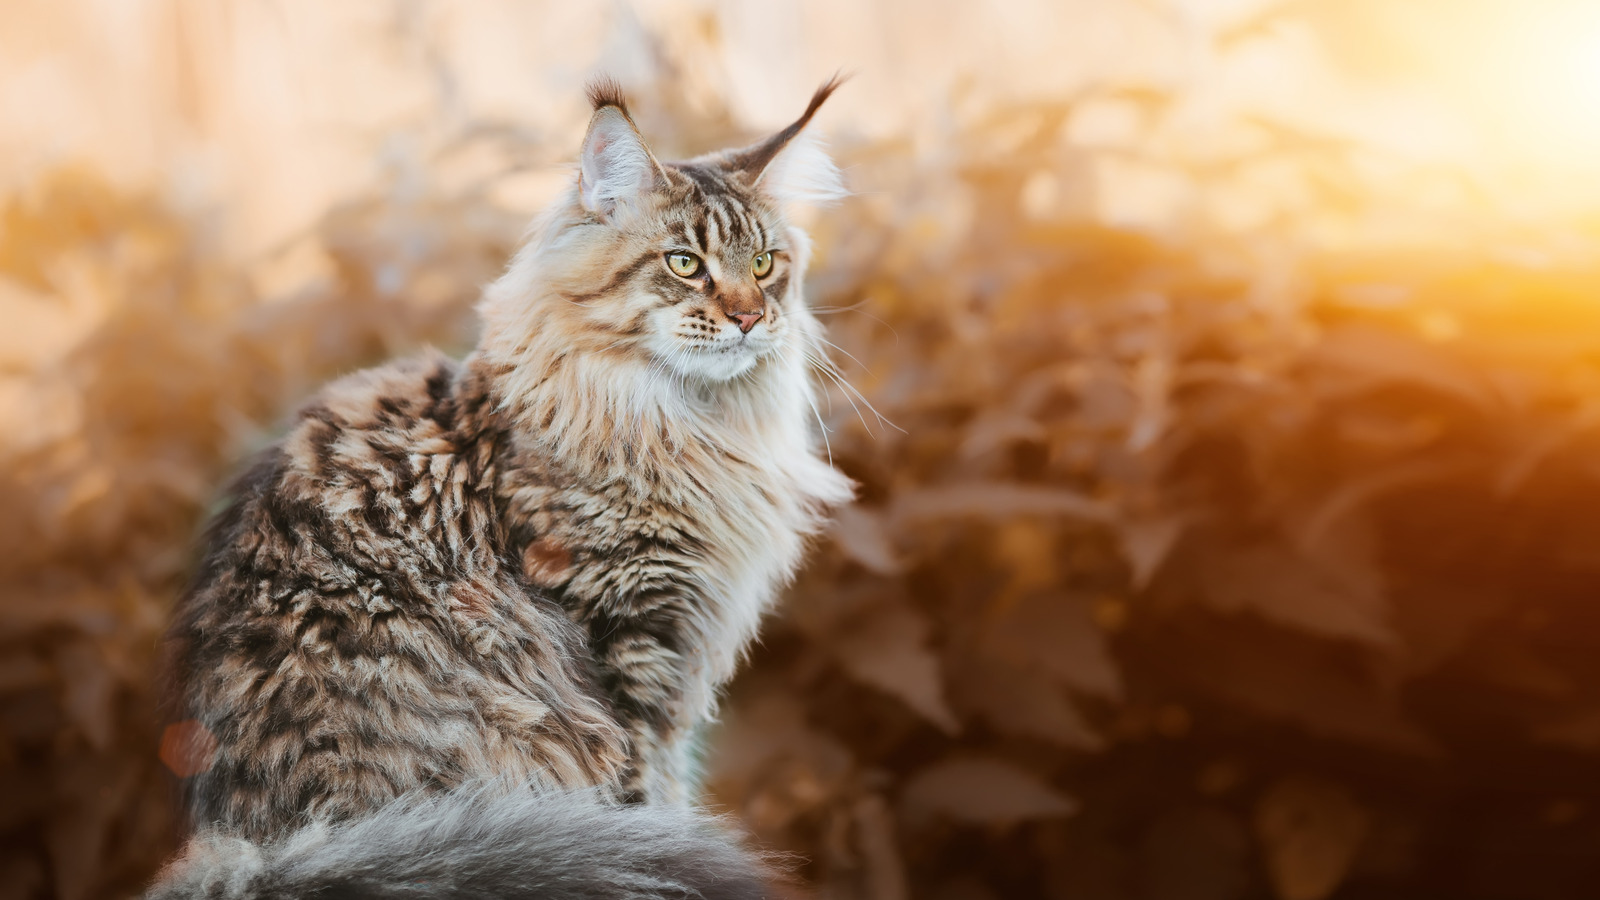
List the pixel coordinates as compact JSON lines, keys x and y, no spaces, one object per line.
{"x":704,"y":281}
{"x":691,"y":266}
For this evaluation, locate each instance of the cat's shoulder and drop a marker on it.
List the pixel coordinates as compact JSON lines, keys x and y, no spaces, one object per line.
{"x":416,"y":387}
{"x":370,"y":419}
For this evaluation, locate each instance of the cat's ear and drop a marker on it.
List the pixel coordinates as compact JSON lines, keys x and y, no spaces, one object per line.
{"x":615,"y":166}
{"x":792,"y":166}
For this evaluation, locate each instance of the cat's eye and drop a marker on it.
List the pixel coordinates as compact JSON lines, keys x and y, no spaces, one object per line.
{"x":683,"y":265}
{"x":761,"y":265}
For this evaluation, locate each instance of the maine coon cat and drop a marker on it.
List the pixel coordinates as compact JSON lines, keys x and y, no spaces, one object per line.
{"x":455,"y":632}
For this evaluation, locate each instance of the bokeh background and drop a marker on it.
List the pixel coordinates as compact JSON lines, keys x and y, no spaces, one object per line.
{"x":1222,"y":378}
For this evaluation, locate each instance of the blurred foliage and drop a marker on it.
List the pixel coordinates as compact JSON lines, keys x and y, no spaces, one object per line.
{"x":144,"y":372}
{"x":1184,"y":566}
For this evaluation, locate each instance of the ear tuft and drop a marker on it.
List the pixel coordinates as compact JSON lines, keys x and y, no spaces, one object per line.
{"x":821,"y":96}
{"x":604,"y":91}
{"x":615,"y":167}
{"x":792,"y":166}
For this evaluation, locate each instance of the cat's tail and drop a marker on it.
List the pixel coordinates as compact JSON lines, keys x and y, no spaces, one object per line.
{"x":480,"y":842}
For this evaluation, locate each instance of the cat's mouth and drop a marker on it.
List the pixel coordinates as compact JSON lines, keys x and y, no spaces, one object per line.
{"x":743,"y":343}
{"x":726,"y":357}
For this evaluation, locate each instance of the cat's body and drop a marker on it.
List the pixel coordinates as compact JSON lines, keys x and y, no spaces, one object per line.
{"x":534,"y":567}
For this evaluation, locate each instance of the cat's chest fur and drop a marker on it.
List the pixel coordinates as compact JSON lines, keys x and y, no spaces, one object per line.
{"x":701,"y":545}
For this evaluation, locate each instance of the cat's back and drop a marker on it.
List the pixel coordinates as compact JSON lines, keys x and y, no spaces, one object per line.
{"x":354,"y":631}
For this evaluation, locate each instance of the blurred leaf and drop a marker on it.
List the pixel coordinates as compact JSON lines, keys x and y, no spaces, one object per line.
{"x":1436,"y":621}
{"x":888,"y":650}
{"x":93,"y":793}
{"x":982,"y":791}
{"x":89,"y":686}
{"x":1310,"y":831}
{"x":994,"y":431}
{"x":1280,"y":585}
{"x":1057,"y":636}
{"x":780,"y":767}
{"x":19,"y":673}
{"x":1285,"y":676}
{"x":1025,"y":547}
{"x":1542,"y":442}
{"x":875,"y":836}
{"x":1371,"y":358}
{"x":1021,"y":703}
{"x":1363,"y":489}
{"x":862,"y":535}
{"x":994,"y":500}
{"x":1146,"y":541}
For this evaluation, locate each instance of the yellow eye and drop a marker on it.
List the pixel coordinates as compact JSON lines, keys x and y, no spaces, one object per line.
{"x":684,"y":265}
{"x":762,"y":264}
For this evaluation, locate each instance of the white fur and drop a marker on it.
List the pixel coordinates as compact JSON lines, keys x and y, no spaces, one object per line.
{"x":616,"y":167}
{"x":680,"y":423}
{"x":659,"y":416}
{"x":802,"y":172}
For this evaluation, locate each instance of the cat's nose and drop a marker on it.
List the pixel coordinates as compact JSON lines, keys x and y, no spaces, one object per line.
{"x":746,"y":321}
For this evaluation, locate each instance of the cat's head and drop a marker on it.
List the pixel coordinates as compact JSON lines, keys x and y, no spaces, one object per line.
{"x":691,"y":268}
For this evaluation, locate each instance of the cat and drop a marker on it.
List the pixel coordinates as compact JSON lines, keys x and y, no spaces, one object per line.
{"x":457,"y":630}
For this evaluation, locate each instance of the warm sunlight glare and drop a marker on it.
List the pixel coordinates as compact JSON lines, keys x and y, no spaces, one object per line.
{"x":1543,"y":74}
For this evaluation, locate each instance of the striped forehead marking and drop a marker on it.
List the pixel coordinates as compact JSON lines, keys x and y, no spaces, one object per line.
{"x":719,"y":215}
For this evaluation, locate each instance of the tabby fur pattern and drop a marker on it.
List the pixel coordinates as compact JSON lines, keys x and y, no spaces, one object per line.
{"x":535,"y":566}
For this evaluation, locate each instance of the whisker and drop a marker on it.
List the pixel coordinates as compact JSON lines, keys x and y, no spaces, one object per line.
{"x":835,"y":378}
{"x":824,"y":428}
{"x":820,"y":359}
{"x":856,"y":308}
{"x":845,"y":352}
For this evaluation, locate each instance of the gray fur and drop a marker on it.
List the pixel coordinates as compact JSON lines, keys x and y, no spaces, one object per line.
{"x":480,"y":841}
{"x":535,"y":566}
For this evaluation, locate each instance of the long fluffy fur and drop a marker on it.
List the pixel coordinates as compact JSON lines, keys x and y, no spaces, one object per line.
{"x":537,"y":564}
{"x":480,"y":841}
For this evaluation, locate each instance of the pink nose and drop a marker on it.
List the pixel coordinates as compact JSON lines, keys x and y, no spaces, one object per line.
{"x":746,"y":321}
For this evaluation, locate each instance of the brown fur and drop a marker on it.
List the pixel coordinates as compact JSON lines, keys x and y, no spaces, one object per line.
{"x":538,"y":564}
{"x":605,"y":92}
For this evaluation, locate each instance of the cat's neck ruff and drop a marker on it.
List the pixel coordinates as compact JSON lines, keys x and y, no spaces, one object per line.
{"x":736,"y":458}
{"x":607,"y":417}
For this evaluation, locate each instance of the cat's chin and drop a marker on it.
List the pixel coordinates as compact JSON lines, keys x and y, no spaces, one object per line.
{"x":718,"y":365}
